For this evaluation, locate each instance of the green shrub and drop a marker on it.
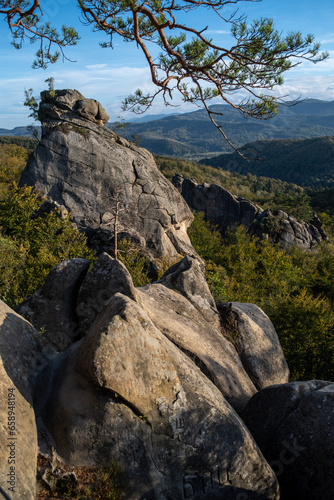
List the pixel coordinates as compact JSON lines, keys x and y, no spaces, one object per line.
{"x":295,"y":289}
{"x":32,"y":244}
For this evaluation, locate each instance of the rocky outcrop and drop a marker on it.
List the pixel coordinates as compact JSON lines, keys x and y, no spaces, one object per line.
{"x":257,"y":343}
{"x":287,"y":231}
{"x":154,"y":413}
{"x":293,"y":426}
{"x":107,"y":277}
{"x":159,"y":386}
{"x":153,"y":385}
{"x":225,"y":210}
{"x":83,"y":166}
{"x":202,"y":341}
{"x":23,"y":356}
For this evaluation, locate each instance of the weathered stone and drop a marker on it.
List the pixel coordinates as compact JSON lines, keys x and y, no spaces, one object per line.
{"x":107,"y":277}
{"x":225,"y":210}
{"x":81,"y":165}
{"x":257,"y":343}
{"x":219,"y":206}
{"x":68,"y":103}
{"x":188,"y":278}
{"x":203,"y":342}
{"x":293,"y":426}
{"x":23,"y":356}
{"x":52,"y":308}
{"x":155,"y":414}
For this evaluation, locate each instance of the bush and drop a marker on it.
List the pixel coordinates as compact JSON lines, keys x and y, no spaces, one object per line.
{"x":32,"y":244}
{"x":13,"y":159}
{"x":295,"y":289}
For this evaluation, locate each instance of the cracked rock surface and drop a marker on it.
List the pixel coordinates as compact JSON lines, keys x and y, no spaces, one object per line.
{"x":225,"y":210}
{"x":23,"y":356}
{"x":153,"y":386}
{"x":80,"y":164}
{"x":130,"y":395}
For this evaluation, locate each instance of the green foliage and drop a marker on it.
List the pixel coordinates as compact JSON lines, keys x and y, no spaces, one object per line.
{"x":260,"y":190}
{"x":305,"y":325}
{"x":32,"y":243}
{"x":13,"y":159}
{"x":306,"y":162}
{"x":295,"y":289}
{"x":33,"y":102}
{"x":28,"y":143}
{"x":297,"y":206}
{"x":140,"y":265}
{"x":135,"y":261}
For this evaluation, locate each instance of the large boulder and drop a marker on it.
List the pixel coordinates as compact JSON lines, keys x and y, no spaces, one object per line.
{"x":188,"y":278}
{"x":129,"y":395}
{"x":257,"y":343}
{"x":181,"y":306}
{"x":293,"y":426}
{"x":23,"y":357}
{"x":85,"y":167}
{"x":70,"y":103}
{"x":220,"y":207}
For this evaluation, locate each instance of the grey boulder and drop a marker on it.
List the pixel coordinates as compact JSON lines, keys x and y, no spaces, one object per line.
{"x":52,"y":308}
{"x":23,"y":357}
{"x":225,"y":210}
{"x":257,"y":343}
{"x":293,"y":426}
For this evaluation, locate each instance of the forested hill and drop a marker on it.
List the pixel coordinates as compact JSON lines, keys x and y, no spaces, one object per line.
{"x":192,"y":135}
{"x":308,"y":162}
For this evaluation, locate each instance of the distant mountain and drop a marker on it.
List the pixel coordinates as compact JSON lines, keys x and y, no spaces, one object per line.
{"x":306,"y":162}
{"x":18,"y":131}
{"x":192,"y":135}
{"x":148,"y":118}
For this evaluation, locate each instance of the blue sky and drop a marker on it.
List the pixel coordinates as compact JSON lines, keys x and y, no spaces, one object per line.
{"x":109,"y":75}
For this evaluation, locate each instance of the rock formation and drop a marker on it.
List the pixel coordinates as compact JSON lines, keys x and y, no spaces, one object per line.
{"x":156,"y":379}
{"x":82,"y":165}
{"x":293,"y":426}
{"x":257,"y":343}
{"x":23,"y":356}
{"x":225,"y":210}
{"x":153,"y":383}
{"x":52,"y":308}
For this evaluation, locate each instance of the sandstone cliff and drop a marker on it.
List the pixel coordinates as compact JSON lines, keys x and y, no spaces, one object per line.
{"x":81,"y":165}
{"x":157,"y":379}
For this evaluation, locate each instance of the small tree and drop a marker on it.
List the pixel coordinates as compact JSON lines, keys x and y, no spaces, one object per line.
{"x":116,"y":209}
{"x":33,"y":103}
{"x":198,"y":69}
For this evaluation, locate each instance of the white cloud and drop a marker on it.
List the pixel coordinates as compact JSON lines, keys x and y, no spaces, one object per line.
{"x":96,"y":66}
{"x":217,"y":32}
{"x":111,"y":83}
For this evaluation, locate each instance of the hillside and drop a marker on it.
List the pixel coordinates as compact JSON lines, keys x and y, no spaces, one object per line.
{"x":192,"y":135}
{"x":308,"y":162}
